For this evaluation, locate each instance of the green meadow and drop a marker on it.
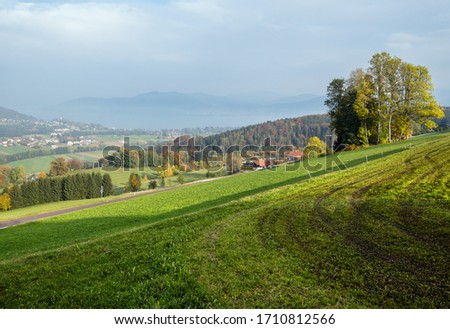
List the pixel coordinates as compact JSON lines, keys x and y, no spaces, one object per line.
{"x":371,"y":234}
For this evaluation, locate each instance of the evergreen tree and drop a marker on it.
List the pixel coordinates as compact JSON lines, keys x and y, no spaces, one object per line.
{"x":56,"y":187}
{"x":89,"y":189}
{"x":45,"y":192}
{"x":69,"y":188}
{"x":30,"y":193}
{"x":15,"y":193}
{"x":108,"y":188}
{"x":97,"y":180}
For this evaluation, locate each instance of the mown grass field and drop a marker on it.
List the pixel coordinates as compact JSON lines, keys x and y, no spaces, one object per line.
{"x":42,"y":163}
{"x":13,"y":149}
{"x":375,"y":235}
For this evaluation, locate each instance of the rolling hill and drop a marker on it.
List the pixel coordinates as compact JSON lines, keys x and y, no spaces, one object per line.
{"x":372,"y":236}
{"x":7,"y":114}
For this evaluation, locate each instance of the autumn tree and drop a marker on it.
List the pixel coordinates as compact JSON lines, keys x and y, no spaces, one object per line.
{"x":234,"y":162}
{"x":315,"y":148}
{"x":58,"y":167}
{"x":5,"y":202}
{"x":4,"y":181}
{"x":17,"y":174}
{"x":134,"y":183}
{"x":74,"y":164}
{"x":382,"y":103}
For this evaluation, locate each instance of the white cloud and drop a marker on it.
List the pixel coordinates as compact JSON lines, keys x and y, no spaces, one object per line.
{"x":402,"y":41}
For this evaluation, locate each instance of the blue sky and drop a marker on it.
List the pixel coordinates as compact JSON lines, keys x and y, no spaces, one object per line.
{"x":52,"y":51}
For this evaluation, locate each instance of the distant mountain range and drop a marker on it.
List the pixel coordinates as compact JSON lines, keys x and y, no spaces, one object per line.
{"x":160,"y":110}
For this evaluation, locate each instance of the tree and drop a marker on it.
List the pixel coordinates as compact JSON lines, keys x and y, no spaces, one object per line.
{"x":45,"y":190}
{"x":56,"y":187}
{"x":108,"y":188}
{"x":344,"y":120}
{"x":234,"y":162}
{"x":30,"y":193}
{"x":363,"y":105}
{"x":69,"y":188}
{"x":58,"y":167}
{"x":377,"y":70}
{"x":98,"y":181}
{"x":89,"y":186}
{"x":315,"y":148}
{"x":134,"y":183}
{"x":180,"y":178}
{"x":17,"y":174}
{"x":5,"y":202}
{"x":15,"y":194}
{"x":74,"y":164}
{"x":4,"y":181}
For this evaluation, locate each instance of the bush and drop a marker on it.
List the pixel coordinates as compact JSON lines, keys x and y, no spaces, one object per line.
{"x":152,"y":185}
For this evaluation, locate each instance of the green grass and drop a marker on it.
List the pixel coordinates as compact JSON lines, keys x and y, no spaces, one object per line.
{"x":49,"y":207}
{"x":42,"y":163}
{"x":375,"y":235}
{"x":13,"y":149}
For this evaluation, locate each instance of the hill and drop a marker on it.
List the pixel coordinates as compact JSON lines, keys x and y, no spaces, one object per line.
{"x":7,"y":114}
{"x":374,"y":235}
{"x":295,"y":131}
{"x":160,"y":110}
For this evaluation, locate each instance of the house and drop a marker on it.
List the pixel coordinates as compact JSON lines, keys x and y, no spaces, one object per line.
{"x":259,"y":163}
{"x":294,"y":155}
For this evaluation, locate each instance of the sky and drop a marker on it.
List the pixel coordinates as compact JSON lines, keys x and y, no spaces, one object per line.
{"x":53,"y":51}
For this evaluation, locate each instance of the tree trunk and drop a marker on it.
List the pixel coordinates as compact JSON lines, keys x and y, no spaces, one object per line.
{"x":367,"y":134}
{"x":390,"y":128}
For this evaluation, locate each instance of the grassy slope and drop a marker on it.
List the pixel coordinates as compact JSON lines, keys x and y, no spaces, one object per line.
{"x":372,"y":236}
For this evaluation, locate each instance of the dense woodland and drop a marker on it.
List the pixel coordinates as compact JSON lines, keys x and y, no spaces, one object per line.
{"x":391,"y":100}
{"x":295,"y":131}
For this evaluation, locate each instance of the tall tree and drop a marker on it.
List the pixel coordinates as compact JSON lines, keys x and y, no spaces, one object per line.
{"x":363,"y":105}
{"x":108,"y":187}
{"x":58,"y":167}
{"x":344,"y":121}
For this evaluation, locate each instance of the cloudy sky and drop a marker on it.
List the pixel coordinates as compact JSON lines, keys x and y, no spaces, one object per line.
{"x":52,"y":51}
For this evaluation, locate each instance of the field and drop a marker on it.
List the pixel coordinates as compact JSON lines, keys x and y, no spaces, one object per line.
{"x":374,"y":235}
{"x":38,"y":164}
{"x":134,"y":139}
{"x":13,"y":149}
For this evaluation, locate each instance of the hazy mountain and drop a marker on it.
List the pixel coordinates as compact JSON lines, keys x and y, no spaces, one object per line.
{"x":14,"y":115}
{"x":159,"y":110}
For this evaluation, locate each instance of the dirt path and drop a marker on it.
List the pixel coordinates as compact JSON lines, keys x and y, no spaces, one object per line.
{"x":31,"y":218}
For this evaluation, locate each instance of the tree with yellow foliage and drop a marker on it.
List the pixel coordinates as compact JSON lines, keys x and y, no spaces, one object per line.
{"x":5,"y":202}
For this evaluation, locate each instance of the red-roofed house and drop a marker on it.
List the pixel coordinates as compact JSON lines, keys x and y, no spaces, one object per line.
{"x":295,"y":155}
{"x":260,"y":163}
